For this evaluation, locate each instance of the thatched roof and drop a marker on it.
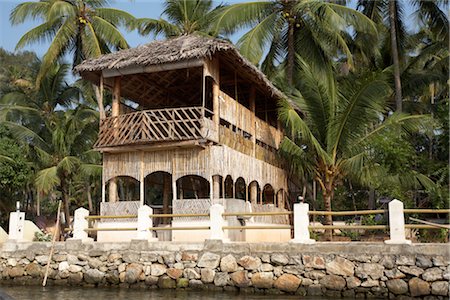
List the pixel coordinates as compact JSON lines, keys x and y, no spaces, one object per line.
{"x":175,"y":50}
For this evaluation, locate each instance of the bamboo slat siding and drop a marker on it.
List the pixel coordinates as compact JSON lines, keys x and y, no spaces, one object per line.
{"x":118,"y":209}
{"x":270,"y":219}
{"x":191,"y":206}
{"x":235,"y":113}
{"x":213,"y":160}
{"x":175,"y":124}
{"x":268,"y":134}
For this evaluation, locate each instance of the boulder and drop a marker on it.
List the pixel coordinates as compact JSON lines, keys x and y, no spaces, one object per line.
{"x":418,"y":287}
{"x":287,"y":283}
{"x":196,"y":284}
{"x":250,"y":262}
{"x":114,"y":257}
{"x":352,"y":282}
{"x":191,"y":273}
{"x":133,"y":272}
{"x":209,"y":260}
{"x":221,"y":279}
{"x":64,"y":265}
{"x":75,"y":278}
{"x":151,"y":280}
{"x":397,"y":286}
{"x":189,"y":256}
{"x":240,"y":279}
{"x":370,"y":283}
{"x":165,"y":282}
{"x":263,"y":280}
{"x":93,"y":276}
{"x":366,"y":270}
{"x":33,"y":269}
{"x":315,"y":262}
{"x":16,"y":272}
{"x":406,"y":260}
{"x":432,"y":274}
{"x":182,"y":283}
{"x":228,"y":264}
{"x":207,"y":275}
{"x":42,"y":259}
{"x":340,"y":266}
{"x":266,"y":267}
{"x":388,"y":262}
{"x":394,"y":274}
{"x":279,"y":259}
{"x":157,"y":269}
{"x":423,"y":261}
{"x":439,"y":261}
{"x":75,"y":268}
{"x":333,"y":282}
{"x":439,"y":288}
{"x":174,"y":273}
{"x":130,"y":257}
{"x":412,"y":270}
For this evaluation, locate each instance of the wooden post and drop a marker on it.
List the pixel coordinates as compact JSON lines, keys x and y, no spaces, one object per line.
{"x":216,"y":186}
{"x":142,"y":181}
{"x":216,"y":106}
{"x":253,"y":192}
{"x":112,"y":190}
{"x":114,"y":113}
{"x":252,"y":102}
{"x":166,"y":199}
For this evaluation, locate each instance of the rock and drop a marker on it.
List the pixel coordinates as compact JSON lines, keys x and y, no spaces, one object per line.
{"x":423,"y":261}
{"x":370,"y":283}
{"x":287,"y":283}
{"x":113,"y":278}
{"x":196,"y":284}
{"x":42,"y":259}
{"x":209,"y":260}
{"x":130,"y":257}
{"x":33,"y":269}
{"x":375,"y":271}
{"x":406,"y":260}
{"x":149,"y":256}
{"x":12,"y":262}
{"x":182,"y":283}
{"x":93,"y":276}
{"x":418,"y":287}
{"x":240,"y":279}
{"x":94,"y":263}
{"x":250,"y":263}
{"x":306,"y":282}
{"x":315,"y":262}
{"x":151,"y":280}
{"x":75,"y":268}
{"x":169,"y":259}
{"x":207,"y":275}
{"x":333,"y":282}
{"x":64,"y":265}
{"x":387,"y":262}
{"x":439,"y":261}
{"x":315,"y":290}
{"x":278,"y":271}
{"x":279,"y":259}
{"x":191,"y":273}
{"x":394,"y":274}
{"x":189,"y":256}
{"x":174,"y":273}
{"x":16,"y":272}
{"x":413,"y":270}
{"x":432,"y":274}
{"x":352,"y":282}
{"x":439,"y":288}
{"x":75,"y":278}
{"x":113,"y":257}
{"x":228,"y":264}
{"x":165,"y":282}
{"x":263,"y":280}
{"x":397,"y":286}
{"x":316,"y":274}
{"x":221,"y":279}
{"x":296,"y":270}
{"x":340,"y":266}
{"x":266,"y":267}
{"x":59,"y":257}
{"x":133,"y":272}
{"x":72,"y":259}
{"x":158,"y":269}
{"x":64,"y":274}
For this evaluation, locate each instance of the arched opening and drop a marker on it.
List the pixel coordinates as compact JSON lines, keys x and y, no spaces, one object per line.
{"x":192,"y":187}
{"x":254,"y":192}
{"x":280,"y":198}
{"x":229,"y":193}
{"x":268,"y":195}
{"x":122,"y":188}
{"x":158,"y":192}
{"x":240,"y":189}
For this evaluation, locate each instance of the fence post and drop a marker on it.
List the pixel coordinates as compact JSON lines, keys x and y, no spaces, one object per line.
{"x":216,"y":222}
{"x":80,"y":224}
{"x":301,"y":224}
{"x":144,"y":223}
{"x":397,"y":223}
{"x":16,"y":226}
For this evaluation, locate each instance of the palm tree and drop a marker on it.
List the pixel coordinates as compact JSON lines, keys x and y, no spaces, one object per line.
{"x":83,"y":28}
{"x":315,"y":30}
{"x":183,"y":17}
{"x":332,"y":143}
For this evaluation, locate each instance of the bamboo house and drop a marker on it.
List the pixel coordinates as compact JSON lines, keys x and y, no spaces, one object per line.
{"x":192,"y":123}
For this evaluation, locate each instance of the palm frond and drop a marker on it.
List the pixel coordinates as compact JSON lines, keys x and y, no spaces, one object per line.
{"x":47,"y":179}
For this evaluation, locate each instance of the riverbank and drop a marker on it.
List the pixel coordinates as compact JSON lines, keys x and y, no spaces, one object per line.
{"x":323,"y":269}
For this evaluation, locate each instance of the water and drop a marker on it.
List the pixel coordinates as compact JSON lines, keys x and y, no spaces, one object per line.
{"x":80,"y":293}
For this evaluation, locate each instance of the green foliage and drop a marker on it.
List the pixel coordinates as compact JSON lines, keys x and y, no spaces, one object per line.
{"x":42,"y":237}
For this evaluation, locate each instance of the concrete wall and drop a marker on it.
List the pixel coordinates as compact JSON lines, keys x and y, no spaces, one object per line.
{"x":351,"y":270}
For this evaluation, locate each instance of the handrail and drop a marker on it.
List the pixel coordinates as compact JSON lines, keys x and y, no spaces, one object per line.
{"x":426,"y":211}
{"x":268,"y":213}
{"x":111,"y":217}
{"x":346,"y":213}
{"x":178,"y":215}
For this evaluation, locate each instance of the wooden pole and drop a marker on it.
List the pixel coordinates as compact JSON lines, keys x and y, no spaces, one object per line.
{"x":252,"y":102}
{"x":52,"y":249}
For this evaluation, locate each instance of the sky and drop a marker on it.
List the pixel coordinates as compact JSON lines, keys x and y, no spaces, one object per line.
{"x":10,"y":35}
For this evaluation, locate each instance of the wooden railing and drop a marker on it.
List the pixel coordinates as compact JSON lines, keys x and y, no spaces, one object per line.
{"x":171,"y":124}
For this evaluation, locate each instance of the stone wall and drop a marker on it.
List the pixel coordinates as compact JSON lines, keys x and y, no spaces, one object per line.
{"x":329,"y":269}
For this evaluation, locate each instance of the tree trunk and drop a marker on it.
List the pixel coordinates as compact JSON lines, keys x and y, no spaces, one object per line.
{"x":371,"y":198}
{"x":99,"y":96}
{"x":89,"y":197}
{"x":395,"y":57}
{"x":65,"y":197}
{"x":327,"y":194}
{"x":290,"y":54}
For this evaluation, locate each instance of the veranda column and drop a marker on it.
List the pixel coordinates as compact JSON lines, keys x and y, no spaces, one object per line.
{"x":114,"y":113}
{"x":253,"y":192}
{"x":216,"y":186}
{"x":280,"y":202}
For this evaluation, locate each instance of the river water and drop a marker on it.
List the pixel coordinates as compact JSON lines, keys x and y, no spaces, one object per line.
{"x":79,"y":293}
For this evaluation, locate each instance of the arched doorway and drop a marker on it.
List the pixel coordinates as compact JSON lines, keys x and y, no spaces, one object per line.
{"x":158,"y":193}
{"x":254,"y":192}
{"x":229,"y":187}
{"x":122,"y":188}
{"x":192,"y":187}
{"x":268,"y":195}
{"x":240,"y":189}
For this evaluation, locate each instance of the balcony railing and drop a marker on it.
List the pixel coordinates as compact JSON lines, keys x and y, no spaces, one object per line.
{"x":158,"y":125}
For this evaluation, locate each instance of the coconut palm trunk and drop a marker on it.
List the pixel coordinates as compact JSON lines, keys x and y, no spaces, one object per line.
{"x":395,"y":57}
{"x":290,"y":54}
{"x":66,"y":200}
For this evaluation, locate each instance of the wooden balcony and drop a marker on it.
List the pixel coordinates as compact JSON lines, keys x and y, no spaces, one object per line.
{"x":153,"y":126}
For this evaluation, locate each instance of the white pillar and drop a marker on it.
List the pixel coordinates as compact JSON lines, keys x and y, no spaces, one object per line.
{"x":301,"y":223}
{"x":397,"y":223}
{"x":16,"y":226}
{"x":216,"y":222}
{"x":144,"y":223}
{"x":80,"y":223}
